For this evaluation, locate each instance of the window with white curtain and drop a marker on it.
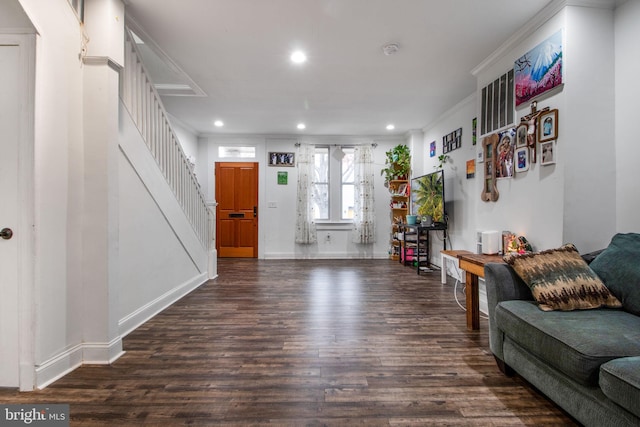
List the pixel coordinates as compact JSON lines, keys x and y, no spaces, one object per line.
{"x":334,"y":183}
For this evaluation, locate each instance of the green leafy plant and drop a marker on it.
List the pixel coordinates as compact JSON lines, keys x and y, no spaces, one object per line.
{"x":398,"y":163}
{"x":442,"y":159}
{"x":427,"y":194}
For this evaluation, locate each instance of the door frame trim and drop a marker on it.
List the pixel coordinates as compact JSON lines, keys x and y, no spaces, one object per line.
{"x":26,"y":207}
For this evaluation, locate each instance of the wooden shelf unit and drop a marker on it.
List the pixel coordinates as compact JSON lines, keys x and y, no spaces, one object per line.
{"x":399,"y":207}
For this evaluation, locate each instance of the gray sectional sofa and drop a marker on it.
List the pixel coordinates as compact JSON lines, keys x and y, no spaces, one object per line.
{"x":587,"y":361}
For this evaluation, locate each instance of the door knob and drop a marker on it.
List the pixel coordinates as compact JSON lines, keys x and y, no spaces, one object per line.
{"x":6,"y":233}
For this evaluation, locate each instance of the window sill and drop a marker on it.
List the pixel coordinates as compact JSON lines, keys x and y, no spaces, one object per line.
{"x":334,"y":225}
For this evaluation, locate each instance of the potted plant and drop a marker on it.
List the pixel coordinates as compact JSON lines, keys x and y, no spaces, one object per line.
{"x":398,"y":163}
{"x":442,"y":159}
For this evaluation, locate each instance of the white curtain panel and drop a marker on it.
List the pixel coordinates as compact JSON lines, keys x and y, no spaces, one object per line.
{"x":364,"y":226}
{"x":305,"y":225}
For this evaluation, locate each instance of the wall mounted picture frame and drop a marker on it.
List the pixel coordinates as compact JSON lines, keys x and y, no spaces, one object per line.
{"x":452,"y":141}
{"x":548,"y":126}
{"x":521,"y":134}
{"x":504,"y":154}
{"x":522,"y":159}
{"x":282,"y":159}
{"x":471,"y":168}
{"x":474,"y":131}
{"x":539,"y":70}
{"x":489,"y":188}
{"x":432,"y":149}
{"x":547,"y":153}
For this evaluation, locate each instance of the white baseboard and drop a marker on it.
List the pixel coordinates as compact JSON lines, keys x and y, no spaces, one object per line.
{"x":96,"y":353}
{"x":58,"y":366}
{"x":146,"y":312}
{"x":102,"y":353}
{"x":291,"y":255}
{"x":76,"y":356}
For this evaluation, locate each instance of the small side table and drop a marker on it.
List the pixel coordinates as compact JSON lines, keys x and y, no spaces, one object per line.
{"x":474,"y":264}
{"x":453,"y":257}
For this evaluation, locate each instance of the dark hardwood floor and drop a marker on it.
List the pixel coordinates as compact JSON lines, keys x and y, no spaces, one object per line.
{"x":304,"y":343}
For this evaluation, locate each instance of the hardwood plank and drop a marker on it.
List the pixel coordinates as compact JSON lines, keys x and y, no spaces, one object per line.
{"x":302,"y":342}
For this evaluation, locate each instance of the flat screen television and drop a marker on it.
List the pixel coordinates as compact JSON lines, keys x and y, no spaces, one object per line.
{"x":427,"y":196}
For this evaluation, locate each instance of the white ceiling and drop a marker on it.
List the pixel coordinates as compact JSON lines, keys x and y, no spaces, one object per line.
{"x":237,"y":53}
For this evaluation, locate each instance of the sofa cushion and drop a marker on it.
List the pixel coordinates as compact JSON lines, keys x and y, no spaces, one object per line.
{"x":620,"y":382}
{"x":561,"y":280}
{"x":619,"y":268}
{"x":574,"y":342}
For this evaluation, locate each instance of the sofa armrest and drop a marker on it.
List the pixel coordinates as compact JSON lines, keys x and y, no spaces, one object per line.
{"x":503,"y":284}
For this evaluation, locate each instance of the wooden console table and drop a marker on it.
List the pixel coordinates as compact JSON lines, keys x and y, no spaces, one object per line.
{"x":473,"y":265}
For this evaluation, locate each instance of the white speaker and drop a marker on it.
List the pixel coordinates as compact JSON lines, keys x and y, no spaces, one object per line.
{"x":490,"y":242}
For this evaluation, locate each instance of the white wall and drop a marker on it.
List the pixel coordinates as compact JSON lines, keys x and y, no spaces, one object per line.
{"x":627,"y":65}
{"x":160,"y":256}
{"x":571,"y":201}
{"x":58,"y":178}
{"x":276,"y":224}
{"x":460,"y":192}
{"x":587,"y":142}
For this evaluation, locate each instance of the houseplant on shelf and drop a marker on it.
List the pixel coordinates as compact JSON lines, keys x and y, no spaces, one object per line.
{"x":398,"y":163}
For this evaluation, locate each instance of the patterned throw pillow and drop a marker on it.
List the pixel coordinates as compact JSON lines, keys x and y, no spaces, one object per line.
{"x":561,"y":280}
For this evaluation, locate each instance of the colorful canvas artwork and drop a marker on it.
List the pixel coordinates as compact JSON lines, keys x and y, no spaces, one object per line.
{"x":539,"y":70}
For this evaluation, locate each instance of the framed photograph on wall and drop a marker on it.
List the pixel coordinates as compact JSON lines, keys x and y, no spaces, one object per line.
{"x":522,"y":159}
{"x":452,"y":141}
{"x":282,"y":159}
{"x":548,"y":126}
{"x":521,"y":134}
{"x":547,"y":153}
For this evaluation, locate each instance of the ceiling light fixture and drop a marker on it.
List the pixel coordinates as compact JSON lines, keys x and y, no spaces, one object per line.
{"x":218,"y":123}
{"x":301,"y":126}
{"x":298,"y":57}
{"x":390,"y":49}
{"x":391,"y":127}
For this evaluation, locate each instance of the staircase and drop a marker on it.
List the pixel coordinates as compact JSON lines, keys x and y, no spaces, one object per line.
{"x":147,"y":112}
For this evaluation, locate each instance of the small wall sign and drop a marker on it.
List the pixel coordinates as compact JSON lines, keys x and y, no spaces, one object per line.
{"x":283,"y":177}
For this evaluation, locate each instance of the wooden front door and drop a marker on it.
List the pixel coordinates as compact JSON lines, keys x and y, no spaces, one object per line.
{"x":237,"y":210}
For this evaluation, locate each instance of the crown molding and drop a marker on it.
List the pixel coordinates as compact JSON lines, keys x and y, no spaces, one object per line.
{"x":548,"y":12}
{"x":465,"y":101}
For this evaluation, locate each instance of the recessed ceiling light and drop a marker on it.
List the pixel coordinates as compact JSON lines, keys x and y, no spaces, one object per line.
{"x":391,"y":127}
{"x":298,"y":57}
{"x":301,"y":126}
{"x":218,"y":123}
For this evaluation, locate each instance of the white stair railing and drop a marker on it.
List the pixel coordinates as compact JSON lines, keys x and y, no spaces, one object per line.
{"x":147,"y":111}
